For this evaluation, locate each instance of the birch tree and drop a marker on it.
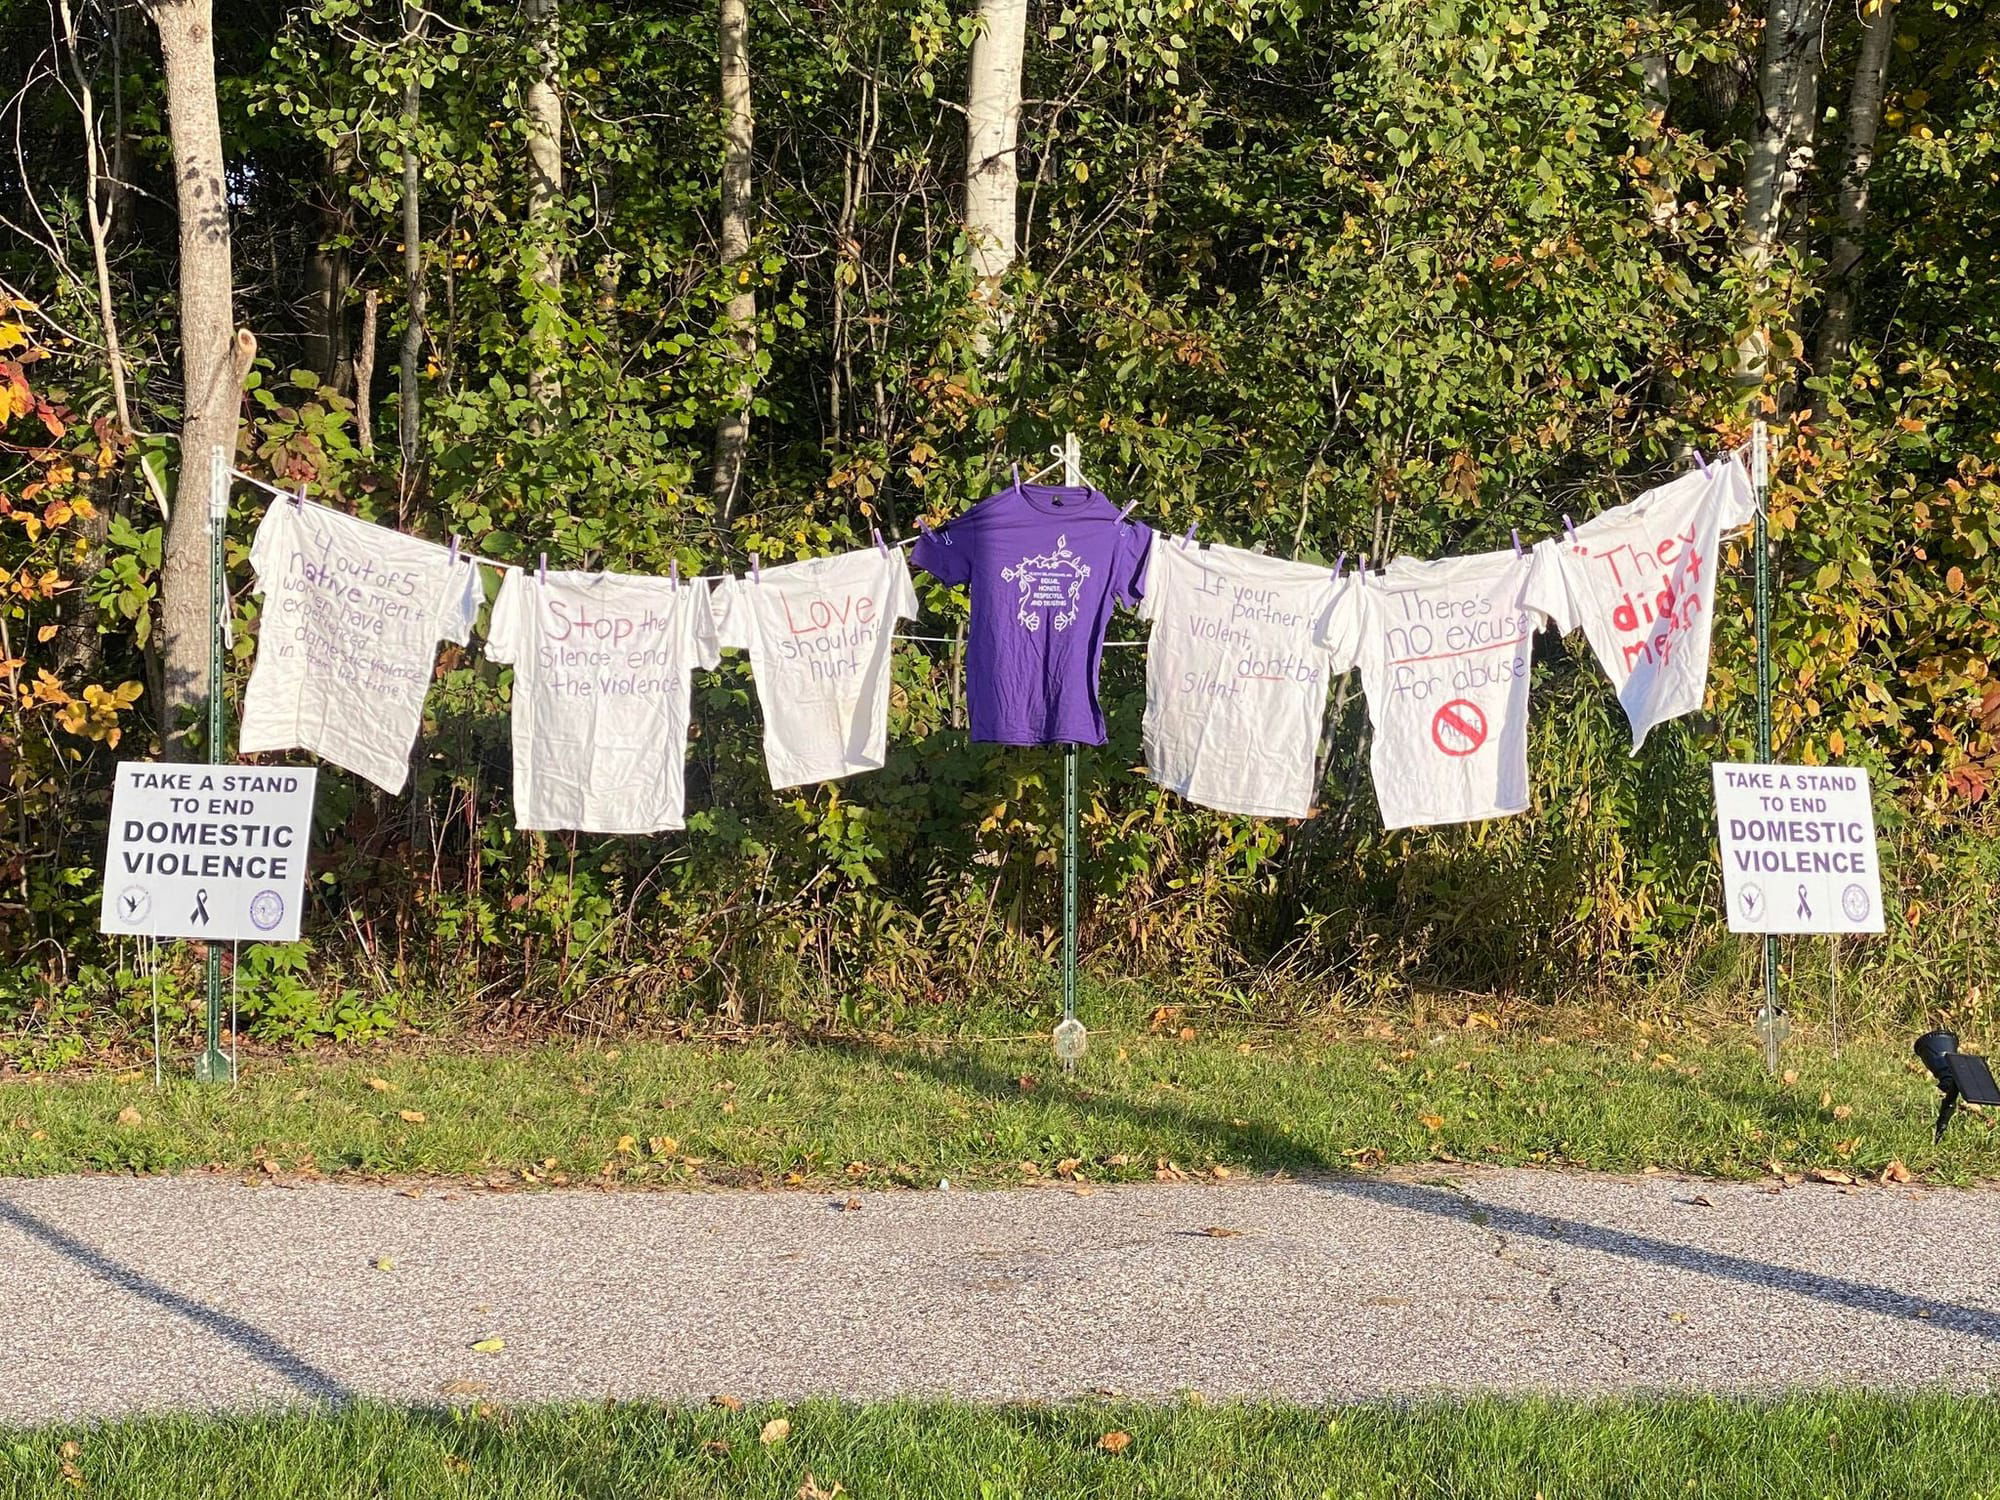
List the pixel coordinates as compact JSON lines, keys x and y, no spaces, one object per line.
{"x":1864,"y":118}
{"x":732,"y":433}
{"x":1781,"y":142}
{"x":992,"y":136}
{"x":409,"y":397}
{"x":214,"y":356}
{"x":544,"y":118}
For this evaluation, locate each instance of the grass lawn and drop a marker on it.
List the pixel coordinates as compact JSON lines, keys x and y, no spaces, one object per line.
{"x":1845,"y":1446}
{"x":912,"y":1112}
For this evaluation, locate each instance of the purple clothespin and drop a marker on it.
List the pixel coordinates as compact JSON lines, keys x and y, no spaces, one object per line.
{"x":880,"y":545}
{"x":674,"y":572}
{"x":756,"y":568}
{"x":1701,"y":463}
{"x":1517,"y":542}
{"x":299,"y":495}
{"x":1339,"y":563}
{"x":1017,"y":476}
{"x":923,"y":526}
{"x":1361,"y":573}
{"x":1128,"y":510}
{"x":1570,"y":527}
{"x":542,"y":569}
{"x":1188,"y":540}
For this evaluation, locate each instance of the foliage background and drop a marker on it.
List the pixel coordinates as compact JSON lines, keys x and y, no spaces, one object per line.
{"x":1365,"y":276}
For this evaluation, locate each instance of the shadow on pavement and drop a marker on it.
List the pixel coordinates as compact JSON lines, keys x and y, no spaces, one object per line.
{"x":251,"y":1339}
{"x":1270,"y":1150}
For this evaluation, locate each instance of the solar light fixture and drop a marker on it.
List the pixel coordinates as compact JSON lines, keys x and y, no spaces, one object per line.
{"x":1959,"y":1075}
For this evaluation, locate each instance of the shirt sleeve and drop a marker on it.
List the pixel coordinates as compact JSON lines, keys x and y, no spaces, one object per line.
{"x":902,"y":592}
{"x":268,"y":549}
{"x":1739,"y":494}
{"x":1339,"y":627}
{"x":1135,"y":551}
{"x":465,"y":591}
{"x":945,"y":556}
{"x":704,"y":650}
{"x":504,"y":631}
{"x":730,"y":613}
{"x":1547,"y":590}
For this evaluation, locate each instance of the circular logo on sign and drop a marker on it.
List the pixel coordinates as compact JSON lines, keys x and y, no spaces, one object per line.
{"x":1855,"y":901}
{"x":267,"y":910}
{"x":1751,"y":899}
{"x":133,"y":904}
{"x":1459,"y":728}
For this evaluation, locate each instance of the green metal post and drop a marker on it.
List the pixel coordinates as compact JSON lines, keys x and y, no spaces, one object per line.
{"x":214,"y":1066}
{"x":1770,"y":1019}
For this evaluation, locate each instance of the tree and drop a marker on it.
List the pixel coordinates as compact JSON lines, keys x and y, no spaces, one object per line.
{"x":1864,"y":117}
{"x":1781,"y":139}
{"x":409,"y":397}
{"x":215,"y":356}
{"x":992,"y":135}
{"x":732,"y":433}
{"x":544,"y":119}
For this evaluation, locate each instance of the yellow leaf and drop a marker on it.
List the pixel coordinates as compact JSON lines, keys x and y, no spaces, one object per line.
{"x":775,"y":1431}
{"x":489,"y":1346}
{"x":46,"y":633}
{"x":627,"y":1145}
{"x":411,"y":1116}
{"x":1431,"y":1122}
{"x":380,"y":1086}
{"x":128,"y":1116}
{"x":1115,"y":1442}
{"x":386,"y":1263}
{"x":727,"y":1403}
{"x":663,"y":1145}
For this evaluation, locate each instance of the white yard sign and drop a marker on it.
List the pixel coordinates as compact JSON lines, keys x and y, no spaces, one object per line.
{"x":1798,"y":848}
{"x":207,"y":851}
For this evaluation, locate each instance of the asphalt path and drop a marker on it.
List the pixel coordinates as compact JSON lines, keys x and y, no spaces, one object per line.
{"x":120,"y":1295}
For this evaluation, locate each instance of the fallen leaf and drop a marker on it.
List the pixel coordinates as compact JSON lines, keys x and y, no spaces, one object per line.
{"x":456,"y":1464}
{"x":464,"y":1388}
{"x":1431,"y":1122}
{"x":811,"y":1490}
{"x":627,"y":1145}
{"x":729,"y":1106}
{"x":851,"y":1206}
{"x":1220,"y":1174}
{"x":1895,"y":1172}
{"x":1115,"y":1442}
{"x":662,"y":1145}
{"x":1187,"y":1035}
{"x":272,"y":1166}
{"x":1791,"y":1077}
{"x":1217,"y":1232}
{"x":129,"y":1116}
{"x":411,"y":1116}
{"x":715,"y":1448}
{"x":1702,"y":1200}
{"x":1826,"y":1174}
{"x":380,"y":1085}
{"x":727,"y":1403}
{"x":774,"y":1431}
{"x":299,"y":1096}
{"x":1842,"y":1111}
{"x":386,"y":1263}
{"x":488,"y":1346}
{"x":1025,"y":1083}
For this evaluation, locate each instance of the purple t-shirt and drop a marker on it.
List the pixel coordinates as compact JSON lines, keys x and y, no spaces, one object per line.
{"x":1044,"y":563}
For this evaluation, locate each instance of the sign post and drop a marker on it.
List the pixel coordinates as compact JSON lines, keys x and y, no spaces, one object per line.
{"x":213,"y":1066}
{"x":1771,"y":1023}
{"x":1070,"y":1038}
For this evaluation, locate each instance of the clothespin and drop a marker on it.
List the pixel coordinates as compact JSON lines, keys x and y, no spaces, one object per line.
{"x":1517,"y":541}
{"x":756,"y":568}
{"x":1188,"y":540}
{"x":1017,"y":476}
{"x":1339,"y":563}
{"x":299,"y":495}
{"x":1128,"y":510}
{"x":1700,"y":462}
{"x":923,"y":526}
{"x":880,"y":545}
{"x":1570,"y":527}
{"x":1361,"y":574}
{"x":674,"y":572}
{"x":542,"y":569}
{"x":454,"y":547}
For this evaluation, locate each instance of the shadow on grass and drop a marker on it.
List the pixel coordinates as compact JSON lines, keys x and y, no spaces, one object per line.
{"x":252,"y":1340}
{"x":1267,"y":1149}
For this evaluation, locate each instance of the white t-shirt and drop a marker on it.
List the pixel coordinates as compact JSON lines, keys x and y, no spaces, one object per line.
{"x":1236,"y":677}
{"x":1641,"y":582}
{"x":1444,"y":649}
{"x":603,"y":667}
{"x":819,"y":635}
{"x":352,"y":617}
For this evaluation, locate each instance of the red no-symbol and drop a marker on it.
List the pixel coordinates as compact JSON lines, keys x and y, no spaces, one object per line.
{"x":1459,"y":728}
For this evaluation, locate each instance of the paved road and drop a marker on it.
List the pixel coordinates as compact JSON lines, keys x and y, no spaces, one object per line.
{"x":121,"y":1294}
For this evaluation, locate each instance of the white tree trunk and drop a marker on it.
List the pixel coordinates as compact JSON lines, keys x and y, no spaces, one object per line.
{"x":1782,"y":135}
{"x":732,"y":433}
{"x":992,"y":135}
{"x":1864,"y":118}
{"x":214,"y":359}
{"x":545,"y":179}
{"x":409,"y":402}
